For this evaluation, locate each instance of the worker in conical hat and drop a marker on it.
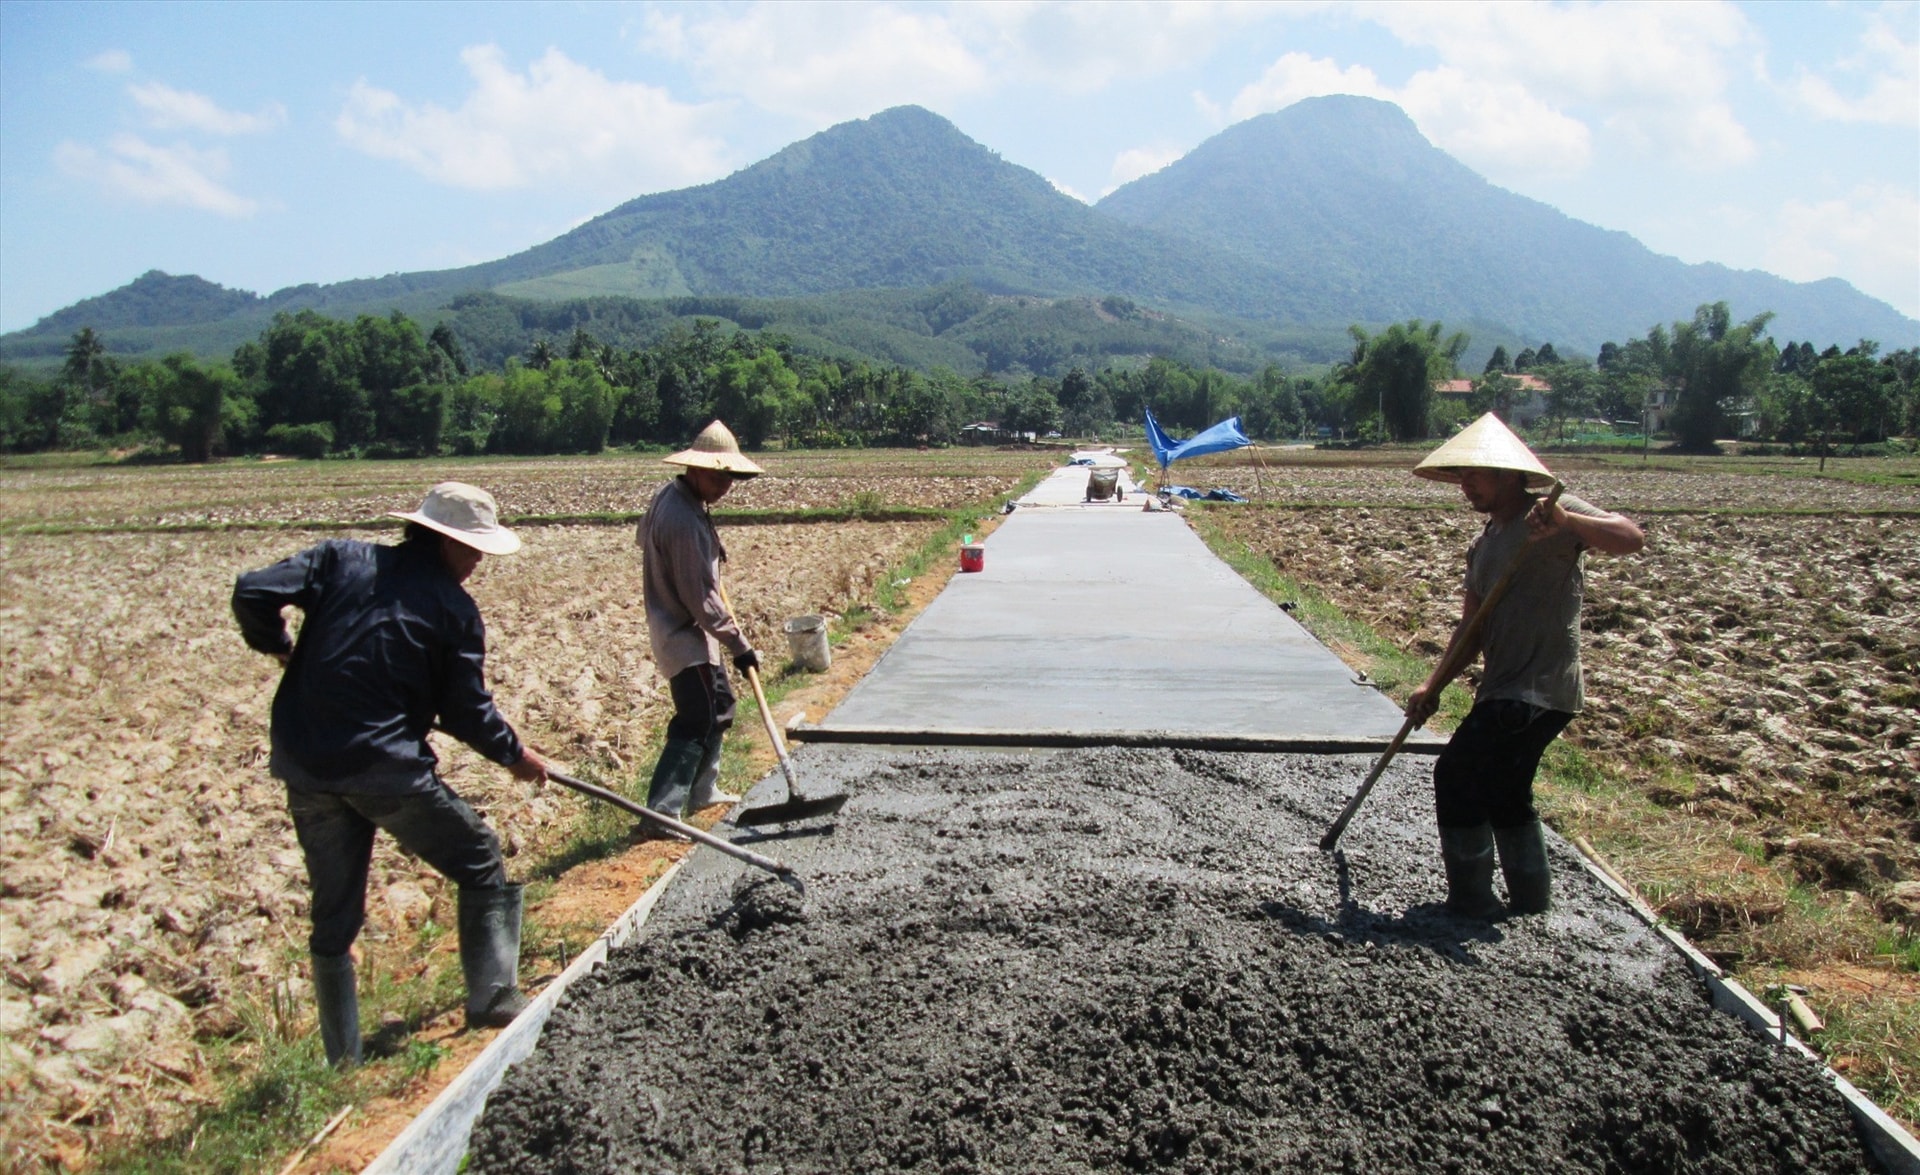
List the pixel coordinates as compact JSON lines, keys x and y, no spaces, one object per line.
{"x":688,"y":622}
{"x":1529,"y":645}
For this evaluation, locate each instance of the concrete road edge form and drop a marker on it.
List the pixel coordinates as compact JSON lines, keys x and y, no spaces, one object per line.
{"x":1422,"y":743}
{"x":435,"y":1142}
{"x":1890,"y":1143}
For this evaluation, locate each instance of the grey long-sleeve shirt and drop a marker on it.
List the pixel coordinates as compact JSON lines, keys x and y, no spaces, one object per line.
{"x":681,"y":553}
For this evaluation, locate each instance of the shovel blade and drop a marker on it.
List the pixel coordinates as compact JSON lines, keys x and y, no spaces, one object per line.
{"x":790,"y":811}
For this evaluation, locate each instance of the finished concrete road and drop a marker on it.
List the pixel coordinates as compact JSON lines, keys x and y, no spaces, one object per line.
{"x":1112,"y":621}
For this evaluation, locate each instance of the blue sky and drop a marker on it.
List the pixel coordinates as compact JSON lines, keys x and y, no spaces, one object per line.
{"x":264,"y":145}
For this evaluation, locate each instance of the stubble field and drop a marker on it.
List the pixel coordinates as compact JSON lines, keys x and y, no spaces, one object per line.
{"x":1751,"y":731}
{"x":152,"y":898}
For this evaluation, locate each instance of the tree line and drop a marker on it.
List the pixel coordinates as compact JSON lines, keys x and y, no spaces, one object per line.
{"x":315,"y":386}
{"x":1707,"y":378}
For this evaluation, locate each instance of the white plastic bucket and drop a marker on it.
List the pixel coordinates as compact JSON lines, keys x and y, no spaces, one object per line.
{"x":807,"y":643}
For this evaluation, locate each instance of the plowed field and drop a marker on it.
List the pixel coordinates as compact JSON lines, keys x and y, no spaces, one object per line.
{"x":152,"y":898}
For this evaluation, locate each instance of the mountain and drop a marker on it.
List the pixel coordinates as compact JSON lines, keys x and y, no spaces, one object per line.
{"x":1333,"y":211}
{"x":153,"y":299}
{"x":1347,"y":189}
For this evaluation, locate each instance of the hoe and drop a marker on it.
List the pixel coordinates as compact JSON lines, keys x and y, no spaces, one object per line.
{"x":797,"y":806}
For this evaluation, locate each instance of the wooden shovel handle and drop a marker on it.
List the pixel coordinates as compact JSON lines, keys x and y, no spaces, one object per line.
{"x":760,"y":698}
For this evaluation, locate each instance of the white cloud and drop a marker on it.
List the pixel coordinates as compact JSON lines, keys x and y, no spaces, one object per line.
{"x":1489,"y":122}
{"x":1493,"y":124}
{"x":830,"y":62}
{"x":1872,"y":236}
{"x":558,"y":120}
{"x":111,"y":61}
{"x":824,"y":63}
{"x":135,"y":169}
{"x":1661,"y":70}
{"x":1135,"y":162}
{"x":1081,"y":47}
{"x":1064,"y":190}
{"x":1885,"y":73}
{"x":1300,"y":75}
{"x":169,"y":109}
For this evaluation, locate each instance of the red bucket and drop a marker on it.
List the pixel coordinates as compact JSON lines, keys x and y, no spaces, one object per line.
{"x":973,"y":558}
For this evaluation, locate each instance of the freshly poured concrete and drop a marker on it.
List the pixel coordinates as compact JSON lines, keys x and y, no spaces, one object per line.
{"x":1112,"y":621}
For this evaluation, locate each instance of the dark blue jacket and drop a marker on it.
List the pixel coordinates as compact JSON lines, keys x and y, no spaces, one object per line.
{"x":390,"y":645}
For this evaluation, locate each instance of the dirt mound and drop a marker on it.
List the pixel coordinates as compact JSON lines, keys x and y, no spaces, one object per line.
{"x":1012,"y":962}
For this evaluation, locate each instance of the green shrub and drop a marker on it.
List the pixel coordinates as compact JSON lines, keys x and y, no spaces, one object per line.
{"x":301,"y":440}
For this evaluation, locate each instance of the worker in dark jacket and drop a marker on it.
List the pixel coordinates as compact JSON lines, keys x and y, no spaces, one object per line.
{"x":391,"y":645}
{"x":688,"y":622}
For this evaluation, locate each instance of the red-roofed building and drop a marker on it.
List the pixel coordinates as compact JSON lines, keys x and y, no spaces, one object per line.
{"x":1529,"y":404}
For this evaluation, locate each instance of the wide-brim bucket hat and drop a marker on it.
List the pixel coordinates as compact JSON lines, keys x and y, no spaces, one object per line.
{"x":1487,"y":443}
{"x":715,"y":448}
{"x":466,"y":513}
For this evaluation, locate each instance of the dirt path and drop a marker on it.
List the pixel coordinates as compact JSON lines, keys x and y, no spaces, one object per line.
{"x":1136,"y":960}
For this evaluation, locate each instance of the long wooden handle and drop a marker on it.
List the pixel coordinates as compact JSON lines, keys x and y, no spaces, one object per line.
{"x":1450,"y":663}
{"x":1360,"y":797}
{"x":757,"y":860}
{"x":760,"y":698}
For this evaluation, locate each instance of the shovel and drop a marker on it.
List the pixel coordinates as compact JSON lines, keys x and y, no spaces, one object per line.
{"x":758,"y":861}
{"x":797,"y":806}
{"x":1455,"y":651}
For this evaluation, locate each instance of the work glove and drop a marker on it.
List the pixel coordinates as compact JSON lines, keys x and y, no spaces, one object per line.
{"x":745,"y":661}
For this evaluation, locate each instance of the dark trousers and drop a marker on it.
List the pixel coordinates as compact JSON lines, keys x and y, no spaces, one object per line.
{"x":1485,"y":774}
{"x":702,"y":703}
{"x":336,"y":835}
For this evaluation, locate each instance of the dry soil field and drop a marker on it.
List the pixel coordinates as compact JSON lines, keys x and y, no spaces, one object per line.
{"x":151,"y":894}
{"x":1754,"y":680}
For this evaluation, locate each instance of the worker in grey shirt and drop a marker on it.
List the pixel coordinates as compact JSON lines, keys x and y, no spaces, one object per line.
{"x":1530,"y":683}
{"x":688,"y":622}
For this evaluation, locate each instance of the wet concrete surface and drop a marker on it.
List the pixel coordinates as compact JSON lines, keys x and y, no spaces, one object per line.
{"x":1136,"y":960}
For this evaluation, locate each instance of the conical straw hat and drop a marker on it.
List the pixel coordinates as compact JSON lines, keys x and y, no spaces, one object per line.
{"x":715,"y":448}
{"x":1485,"y":444}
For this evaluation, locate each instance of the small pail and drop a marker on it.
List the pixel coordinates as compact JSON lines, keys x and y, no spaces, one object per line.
{"x":807,"y":643}
{"x":973,"y":558}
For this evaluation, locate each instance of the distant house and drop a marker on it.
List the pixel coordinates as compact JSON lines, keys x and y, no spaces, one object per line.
{"x":1530,"y":406}
{"x":980,"y":432}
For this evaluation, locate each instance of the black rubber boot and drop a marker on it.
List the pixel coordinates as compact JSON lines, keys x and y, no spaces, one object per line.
{"x":339,"y":1004}
{"x":673,"y":777}
{"x":1468,"y":854}
{"x":1523,"y":859}
{"x":490,"y":955}
{"x":706,"y":779}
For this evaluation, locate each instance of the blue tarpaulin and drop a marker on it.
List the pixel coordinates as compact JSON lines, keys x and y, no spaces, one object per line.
{"x":1218,"y":439}
{"x":1193,"y":495}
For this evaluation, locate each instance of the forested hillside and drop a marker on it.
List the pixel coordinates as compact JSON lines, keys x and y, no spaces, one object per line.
{"x":1347,"y":190}
{"x":1273,"y":237}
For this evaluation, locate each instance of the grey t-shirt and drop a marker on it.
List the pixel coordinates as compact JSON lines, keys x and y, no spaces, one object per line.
{"x":1531,"y":642}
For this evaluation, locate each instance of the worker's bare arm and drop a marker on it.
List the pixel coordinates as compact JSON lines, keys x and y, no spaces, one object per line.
{"x":1608,"y":533}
